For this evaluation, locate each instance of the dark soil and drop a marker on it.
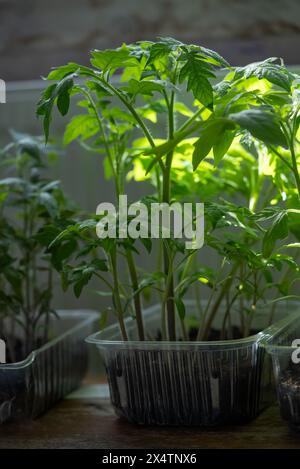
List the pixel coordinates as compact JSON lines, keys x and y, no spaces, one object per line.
{"x":186,"y":387}
{"x":289,"y":396}
{"x":215,"y":334}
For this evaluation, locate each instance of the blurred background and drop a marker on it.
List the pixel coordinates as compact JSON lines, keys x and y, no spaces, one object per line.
{"x":36,"y":35}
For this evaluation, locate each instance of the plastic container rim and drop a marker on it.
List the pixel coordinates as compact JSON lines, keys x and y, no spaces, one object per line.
{"x":87,"y":316}
{"x":262,"y":337}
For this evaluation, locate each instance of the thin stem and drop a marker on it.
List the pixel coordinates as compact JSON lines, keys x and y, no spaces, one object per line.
{"x":295,"y":167}
{"x":184,"y":331}
{"x":106,"y":145}
{"x":168,"y":267}
{"x":189,"y":121}
{"x":138,"y":119}
{"x":166,"y":299}
{"x":103,"y":279}
{"x":285,"y":161}
{"x":218,"y":301}
{"x":116,"y":294}
{"x":136,"y":297}
{"x":227,"y":313}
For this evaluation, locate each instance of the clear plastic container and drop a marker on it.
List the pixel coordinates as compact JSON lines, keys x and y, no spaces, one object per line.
{"x":185,"y":383}
{"x":30,"y":387}
{"x":286,"y":368}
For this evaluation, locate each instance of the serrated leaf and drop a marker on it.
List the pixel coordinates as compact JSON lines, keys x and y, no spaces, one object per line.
{"x":143,"y":87}
{"x":83,"y":125}
{"x":112,"y":59}
{"x":162,"y":48}
{"x":261,"y":124}
{"x":196,"y":73}
{"x":213,"y":57}
{"x":270,"y":70}
{"x":278,"y":230}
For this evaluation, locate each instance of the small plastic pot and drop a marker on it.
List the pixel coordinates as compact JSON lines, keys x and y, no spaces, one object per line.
{"x":285,"y":359}
{"x":30,"y":387}
{"x":185,"y":383}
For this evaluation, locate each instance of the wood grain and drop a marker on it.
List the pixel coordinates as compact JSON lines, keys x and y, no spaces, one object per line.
{"x":90,"y":423}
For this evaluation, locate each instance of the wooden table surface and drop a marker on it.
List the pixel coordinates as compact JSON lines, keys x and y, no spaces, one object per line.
{"x":86,"y":421}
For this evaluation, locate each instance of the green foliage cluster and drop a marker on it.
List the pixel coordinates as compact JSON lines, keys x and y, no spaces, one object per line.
{"x":28,"y":203}
{"x":159,"y":111}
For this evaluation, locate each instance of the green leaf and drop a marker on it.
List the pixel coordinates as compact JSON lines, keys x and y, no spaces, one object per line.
{"x":162,"y":150}
{"x":83,"y":125}
{"x":47,"y":201}
{"x":82,"y":282}
{"x":63,"y":99}
{"x":270,"y":70}
{"x":59,"y":73}
{"x":222,"y":145}
{"x":196,"y":72}
{"x":147,"y":243}
{"x":118,"y":114}
{"x":291,"y":245}
{"x":60,"y":93}
{"x":180,"y":307}
{"x":144,"y":87}
{"x":262,"y":125}
{"x":213,"y":57}
{"x":62,"y":252}
{"x":100,"y":264}
{"x":211,"y":134}
{"x":47,"y":234}
{"x":12,"y":181}
{"x":162,"y":48}
{"x":278,"y":230}
{"x":110,"y":60}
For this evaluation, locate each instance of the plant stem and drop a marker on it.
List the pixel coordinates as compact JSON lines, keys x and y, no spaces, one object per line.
{"x":138,"y":119}
{"x":136,"y":298}
{"x":227,"y":313}
{"x":168,"y":267}
{"x":218,"y":301}
{"x":189,"y":121}
{"x":94,"y":107}
{"x":282,"y":158}
{"x":116,"y":294}
{"x":295,"y":167}
{"x":165,"y":300}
